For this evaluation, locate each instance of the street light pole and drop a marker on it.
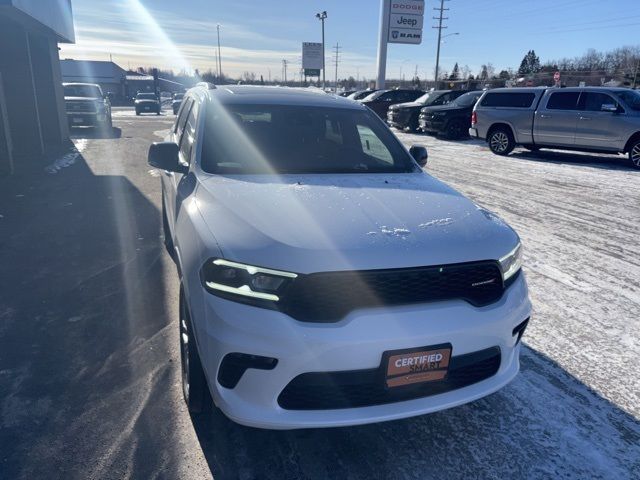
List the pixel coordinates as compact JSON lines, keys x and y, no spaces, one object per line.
{"x":321,"y":16}
{"x":219,"y":55}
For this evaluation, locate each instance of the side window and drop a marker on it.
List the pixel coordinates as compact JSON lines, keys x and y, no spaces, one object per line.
{"x":563,"y":101}
{"x":508,"y":99}
{"x":372,"y":146}
{"x":188,"y":136}
{"x":388,"y":97}
{"x":446,"y":98}
{"x":593,"y":101}
{"x":182,"y":116}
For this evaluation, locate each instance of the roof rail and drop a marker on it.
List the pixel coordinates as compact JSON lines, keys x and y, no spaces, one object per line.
{"x":207,"y":85}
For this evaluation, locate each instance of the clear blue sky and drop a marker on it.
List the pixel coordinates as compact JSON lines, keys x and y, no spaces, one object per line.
{"x":257,"y":35}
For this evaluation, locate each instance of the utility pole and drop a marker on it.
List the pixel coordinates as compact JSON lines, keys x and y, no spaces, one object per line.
{"x":440,"y":18}
{"x":337,"y":59}
{"x":219,"y":63}
{"x":322,"y":16}
{"x":284,"y":70}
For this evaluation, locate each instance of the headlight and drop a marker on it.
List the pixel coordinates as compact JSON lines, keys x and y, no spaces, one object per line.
{"x":511,"y":263}
{"x":438,"y":114}
{"x":231,"y":279}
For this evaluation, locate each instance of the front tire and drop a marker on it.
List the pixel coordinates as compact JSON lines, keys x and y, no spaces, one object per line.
{"x":501,"y":141}
{"x":634,"y":154}
{"x":455,"y":130}
{"x":194,"y":383}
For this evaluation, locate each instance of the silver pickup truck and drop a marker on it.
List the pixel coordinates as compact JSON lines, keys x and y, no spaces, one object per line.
{"x":588,"y":119}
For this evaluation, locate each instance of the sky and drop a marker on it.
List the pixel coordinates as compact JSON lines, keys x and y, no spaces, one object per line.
{"x":257,"y":35}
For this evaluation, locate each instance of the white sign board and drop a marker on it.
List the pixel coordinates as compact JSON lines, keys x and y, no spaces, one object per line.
{"x":406,"y":18}
{"x":311,"y":55}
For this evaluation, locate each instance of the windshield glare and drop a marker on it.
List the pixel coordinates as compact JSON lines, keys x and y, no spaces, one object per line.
{"x":278,"y":139}
{"x":631,"y":98}
{"x":88,"y":91}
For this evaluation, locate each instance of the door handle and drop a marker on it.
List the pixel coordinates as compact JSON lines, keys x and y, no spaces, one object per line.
{"x":542,"y":115}
{"x":585,"y":118}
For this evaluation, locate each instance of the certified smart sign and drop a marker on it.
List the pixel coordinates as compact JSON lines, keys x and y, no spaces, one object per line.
{"x":405,"y":21}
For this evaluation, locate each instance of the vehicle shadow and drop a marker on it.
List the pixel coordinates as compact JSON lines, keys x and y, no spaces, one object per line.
{"x":95,"y":132}
{"x":545,"y":424}
{"x":85,"y":368}
{"x":601,"y":161}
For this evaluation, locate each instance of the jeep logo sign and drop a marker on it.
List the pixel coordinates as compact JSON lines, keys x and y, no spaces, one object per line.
{"x":405,"y":21}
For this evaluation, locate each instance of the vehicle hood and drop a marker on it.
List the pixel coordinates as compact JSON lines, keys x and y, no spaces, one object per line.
{"x":408,"y":105}
{"x":446,"y":108}
{"x":312,"y":223}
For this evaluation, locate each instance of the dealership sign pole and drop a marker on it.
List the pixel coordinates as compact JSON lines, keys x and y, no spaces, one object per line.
{"x":400,"y":22}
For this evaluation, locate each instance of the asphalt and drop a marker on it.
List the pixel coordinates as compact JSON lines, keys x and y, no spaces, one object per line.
{"x":89,"y":361}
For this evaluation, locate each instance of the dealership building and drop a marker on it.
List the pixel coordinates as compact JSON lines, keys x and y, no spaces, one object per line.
{"x":32,"y":114}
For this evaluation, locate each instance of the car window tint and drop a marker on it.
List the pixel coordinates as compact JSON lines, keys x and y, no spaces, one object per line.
{"x":188,"y":136}
{"x":333,"y":132}
{"x":372,"y":145}
{"x":593,"y":101}
{"x":508,"y":99}
{"x":563,"y":101}
{"x":182,"y":116}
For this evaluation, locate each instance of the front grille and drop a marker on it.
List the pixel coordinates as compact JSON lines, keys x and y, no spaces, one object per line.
{"x":80,"y":107}
{"x":328,"y":297}
{"x":363,"y":388}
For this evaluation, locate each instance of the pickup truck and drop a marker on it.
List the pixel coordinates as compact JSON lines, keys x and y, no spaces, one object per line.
{"x":587,"y":119}
{"x":86,"y":105}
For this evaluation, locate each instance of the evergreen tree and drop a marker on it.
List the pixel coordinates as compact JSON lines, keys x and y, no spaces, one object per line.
{"x":455,"y":74}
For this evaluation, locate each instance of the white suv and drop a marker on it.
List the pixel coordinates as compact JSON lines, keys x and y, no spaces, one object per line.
{"x":327,"y":280}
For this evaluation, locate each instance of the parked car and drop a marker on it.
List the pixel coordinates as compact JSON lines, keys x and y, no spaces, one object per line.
{"x":176,"y":102}
{"x":310,"y":294}
{"x":86,"y":105}
{"x":360,"y":94}
{"x":381,"y":100}
{"x":147,"y":103}
{"x":405,"y":115}
{"x":588,"y":119}
{"x":452,"y":120}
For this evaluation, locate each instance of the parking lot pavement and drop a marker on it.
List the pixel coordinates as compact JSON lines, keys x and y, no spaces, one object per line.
{"x":89,"y":365}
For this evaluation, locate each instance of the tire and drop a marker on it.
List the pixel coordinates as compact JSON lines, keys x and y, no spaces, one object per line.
{"x":413,"y":124}
{"x":501,"y":141}
{"x":455,"y":129}
{"x":137,"y":113}
{"x":634,"y":154}
{"x":194,"y":384}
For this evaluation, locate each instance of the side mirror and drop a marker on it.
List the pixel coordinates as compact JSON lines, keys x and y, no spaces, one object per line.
{"x":609,"y":107}
{"x":164,"y":155}
{"x":419,"y":154}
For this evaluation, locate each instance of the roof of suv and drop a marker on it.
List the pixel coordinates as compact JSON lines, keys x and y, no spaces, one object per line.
{"x":260,"y":95}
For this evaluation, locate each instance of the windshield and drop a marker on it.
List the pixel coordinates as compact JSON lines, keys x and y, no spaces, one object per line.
{"x":146,"y":96}
{"x":298,"y":139}
{"x":178,"y":96}
{"x":89,"y":91}
{"x":373,"y":96}
{"x":631,"y":98}
{"x":466,"y":100}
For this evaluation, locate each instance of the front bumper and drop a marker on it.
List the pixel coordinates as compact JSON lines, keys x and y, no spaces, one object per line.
{"x":79,"y":119}
{"x":355,"y":343}
{"x":148,"y":108}
{"x":432,"y":124}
